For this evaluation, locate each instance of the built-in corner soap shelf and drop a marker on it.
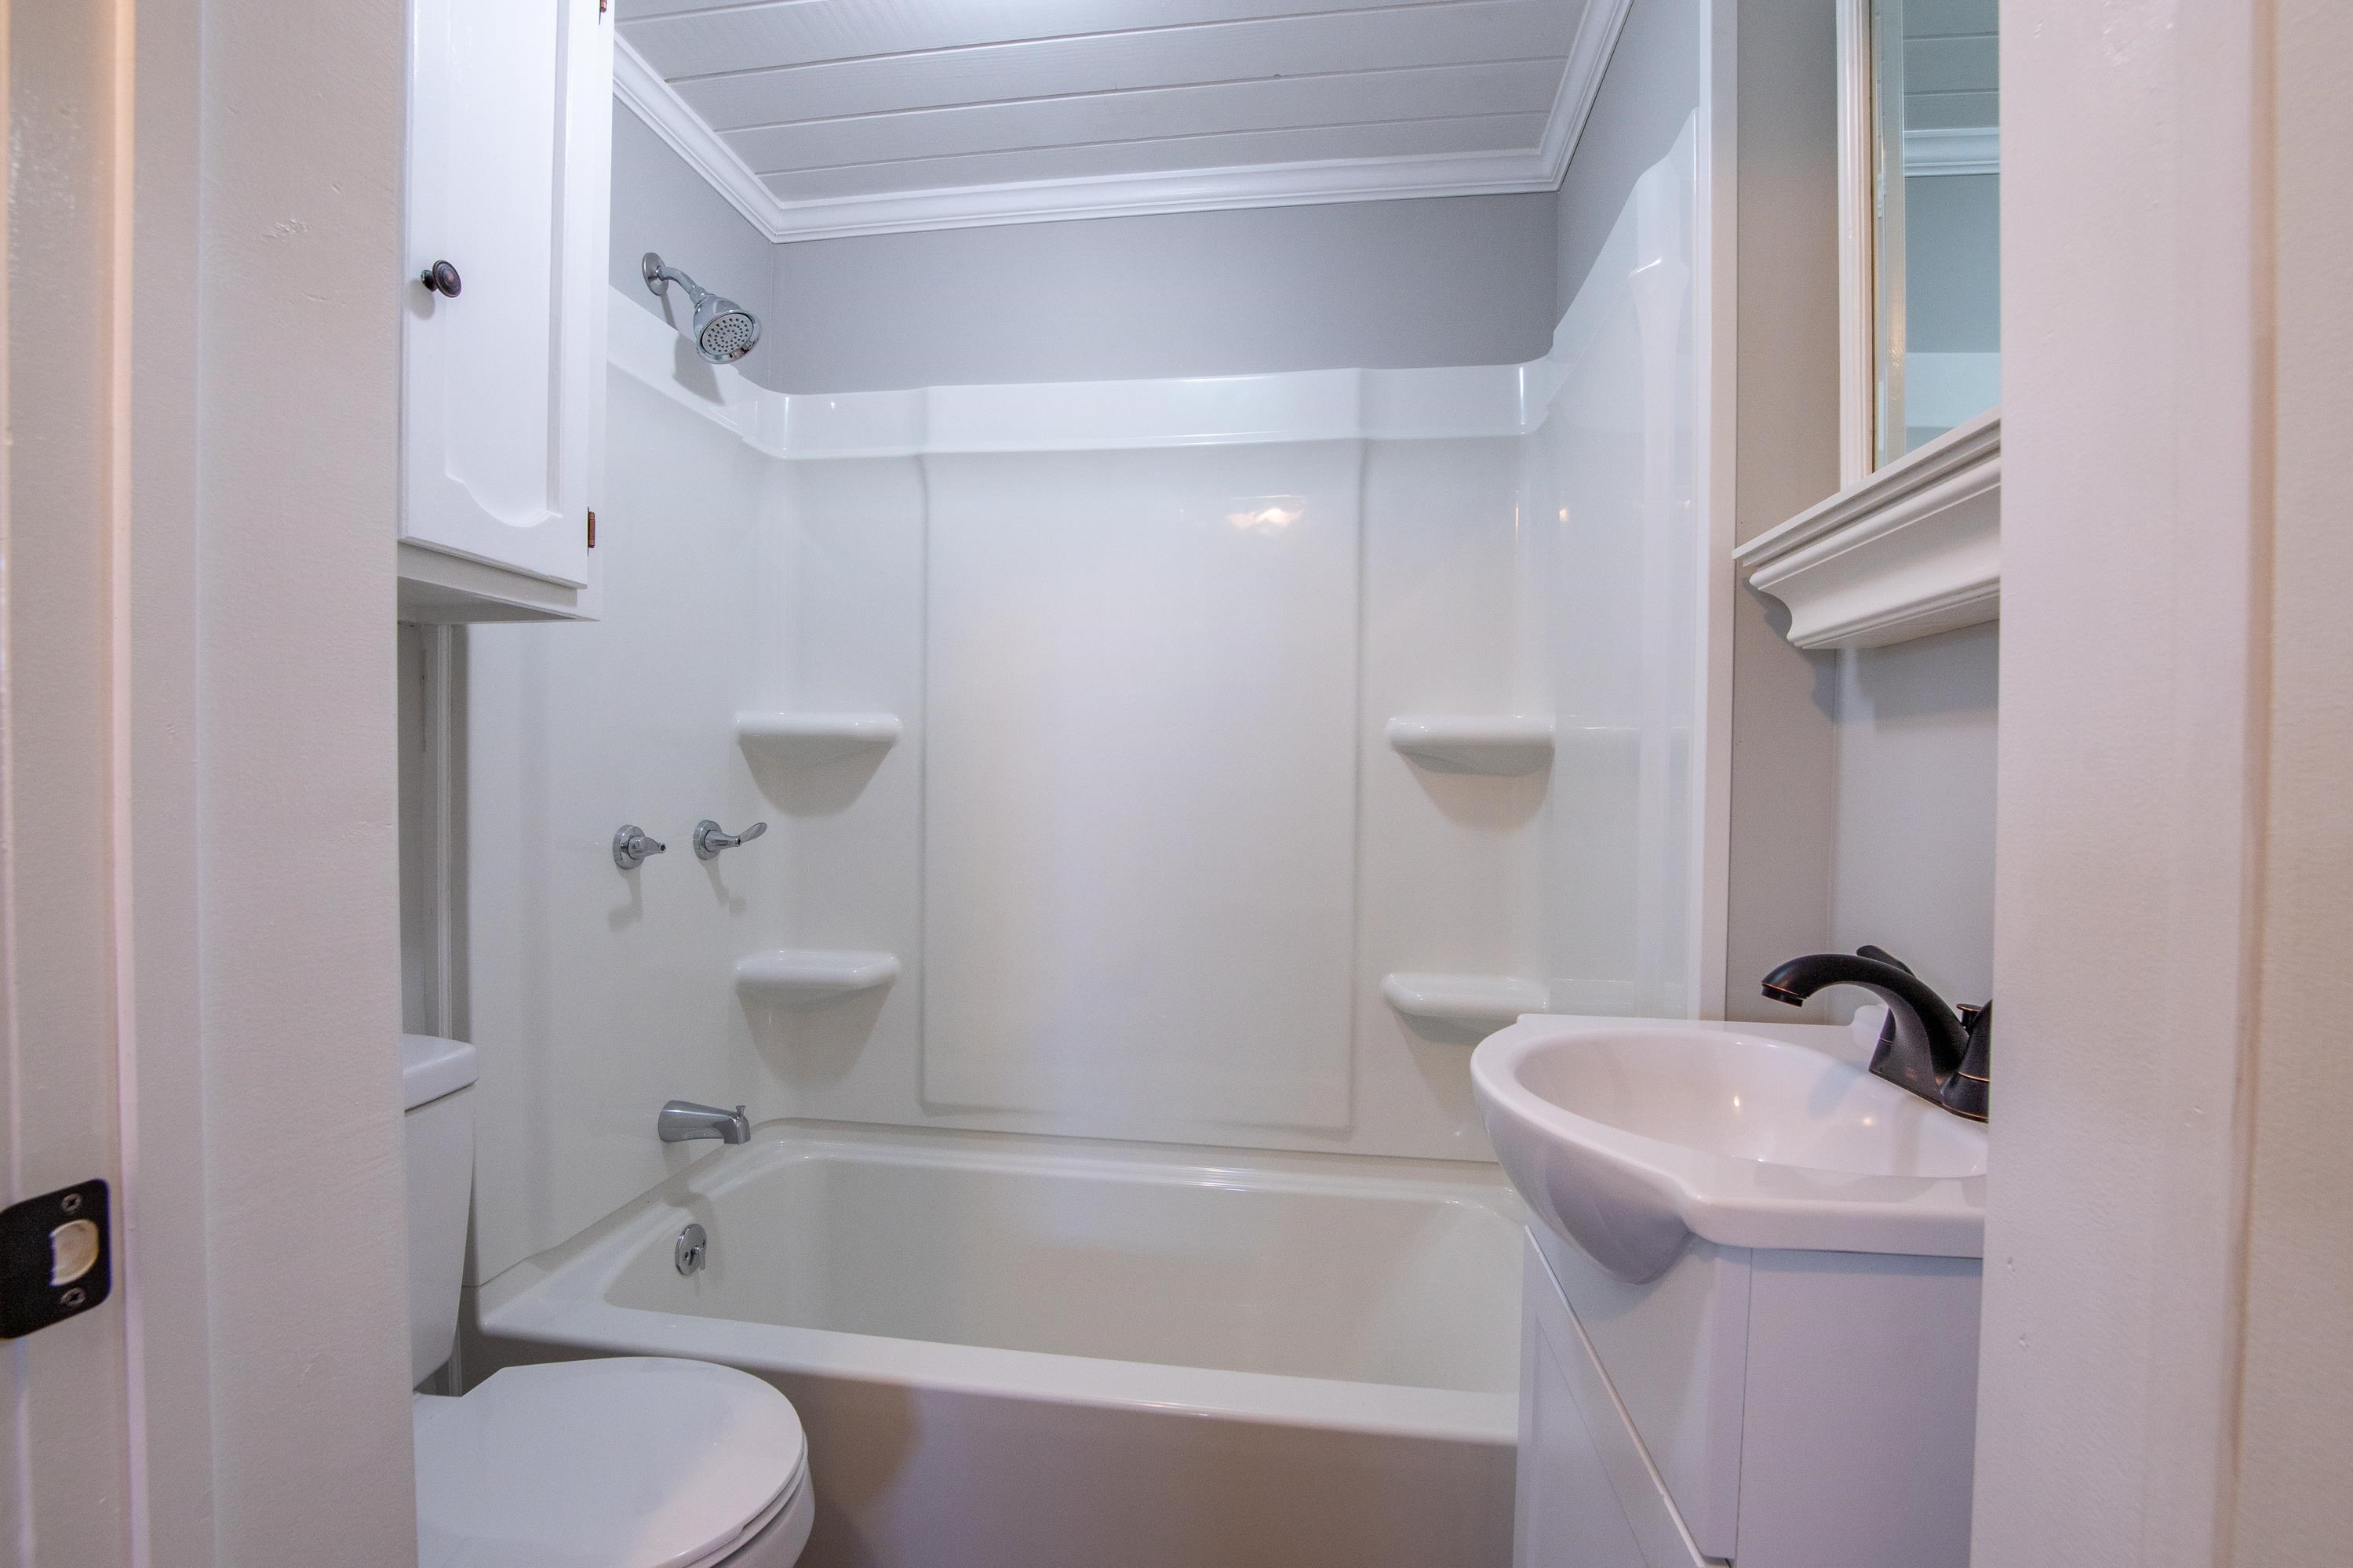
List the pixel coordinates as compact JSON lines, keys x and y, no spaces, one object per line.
{"x":1464,"y":998}
{"x":805,"y":738}
{"x":1503,"y":745}
{"x":804,"y":977}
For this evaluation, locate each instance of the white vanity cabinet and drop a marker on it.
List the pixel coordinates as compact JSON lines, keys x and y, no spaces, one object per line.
{"x":1772,"y":1409}
{"x":510,"y":154}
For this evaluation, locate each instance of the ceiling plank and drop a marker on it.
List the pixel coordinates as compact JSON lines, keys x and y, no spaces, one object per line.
{"x":1294,"y":104}
{"x":803,"y":32}
{"x":997,"y":73}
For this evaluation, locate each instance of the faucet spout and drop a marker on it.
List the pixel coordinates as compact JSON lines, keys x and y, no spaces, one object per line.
{"x":1925,"y":1047}
{"x":682,"y":1121}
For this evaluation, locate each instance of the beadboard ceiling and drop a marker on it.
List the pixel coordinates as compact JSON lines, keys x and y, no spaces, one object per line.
{"x":822,"y":118}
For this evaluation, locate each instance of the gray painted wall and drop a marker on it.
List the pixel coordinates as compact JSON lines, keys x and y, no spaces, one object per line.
{"x":1650,"y":89}
{"x":1783,"y":831}
{"x":1456,"y":280}
{"x":1916,"y":794}
{"x":1863,"y":782}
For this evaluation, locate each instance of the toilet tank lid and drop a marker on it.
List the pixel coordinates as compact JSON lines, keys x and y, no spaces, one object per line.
{"x":431,"y":1067}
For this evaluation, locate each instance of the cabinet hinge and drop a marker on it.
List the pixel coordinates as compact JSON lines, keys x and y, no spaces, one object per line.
{"x":591,"y":528}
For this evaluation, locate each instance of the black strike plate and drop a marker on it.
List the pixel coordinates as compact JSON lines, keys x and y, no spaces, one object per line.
{"x":57,"y":1257}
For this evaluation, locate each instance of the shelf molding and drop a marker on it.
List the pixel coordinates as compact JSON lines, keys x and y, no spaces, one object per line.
{"x":1501,"y":745}
{"x":1912,"y":550}
{"x":1963,"y":150}
{"x":805,"y":977}
{"x":1464,"y":998}
{"x":807,"y":739}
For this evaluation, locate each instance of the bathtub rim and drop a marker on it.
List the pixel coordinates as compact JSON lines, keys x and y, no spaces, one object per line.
{"x":558,"y":1297}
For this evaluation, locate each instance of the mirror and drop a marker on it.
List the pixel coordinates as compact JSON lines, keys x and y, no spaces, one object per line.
{"x":1927,"y":264}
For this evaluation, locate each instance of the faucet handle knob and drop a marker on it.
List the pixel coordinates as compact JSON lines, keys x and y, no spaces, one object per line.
{"x":632,"y":849}
{"x":710,"y":838}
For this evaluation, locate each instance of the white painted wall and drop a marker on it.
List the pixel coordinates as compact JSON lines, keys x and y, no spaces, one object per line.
{"x":66,"y":1444}
{"x":2137,"y":486}
{"x":297,"y":459}
{"x":2297,"y":1401}
{"x":167,"y":1197}
{"x":178,"y":217}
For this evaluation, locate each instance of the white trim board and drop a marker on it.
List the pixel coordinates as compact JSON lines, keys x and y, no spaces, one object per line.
{"x":1913,"y":550}
{"x":651,"y":98}
{"x":1095,"y":416}
{"x":1970,"y":150}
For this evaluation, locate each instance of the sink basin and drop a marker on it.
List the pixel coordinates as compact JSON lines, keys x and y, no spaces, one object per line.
{"x":1628,"y":1136}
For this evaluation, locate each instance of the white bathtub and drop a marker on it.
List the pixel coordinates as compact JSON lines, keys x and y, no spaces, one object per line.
{"x":1014,"y":1353}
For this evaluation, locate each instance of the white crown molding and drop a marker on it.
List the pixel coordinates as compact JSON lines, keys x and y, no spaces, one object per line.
{"x":1913,"y":550}
{"x":653,"y":101}
{"x":1971,"y":149}
{"x":1580,"y":82}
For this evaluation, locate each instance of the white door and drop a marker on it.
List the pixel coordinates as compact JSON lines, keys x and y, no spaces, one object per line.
{"x":509,"y":158}
{"x":64,"y":1457}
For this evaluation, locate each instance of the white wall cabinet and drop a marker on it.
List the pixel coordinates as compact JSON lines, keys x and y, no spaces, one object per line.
{"x":510,"y":156}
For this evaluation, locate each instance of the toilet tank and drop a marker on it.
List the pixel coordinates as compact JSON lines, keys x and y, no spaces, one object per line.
{"x":436,"y":1078}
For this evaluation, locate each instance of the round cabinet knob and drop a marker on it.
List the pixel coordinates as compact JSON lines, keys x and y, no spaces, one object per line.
{"x":442,"y":278}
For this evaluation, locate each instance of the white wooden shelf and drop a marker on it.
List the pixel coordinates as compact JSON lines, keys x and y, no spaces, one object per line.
{"x":1913,"y":550}
{"x":803,"y":977}
{"x":1464,"y":998}
{"x":809,"y":738}
{"x":1501,"y":744}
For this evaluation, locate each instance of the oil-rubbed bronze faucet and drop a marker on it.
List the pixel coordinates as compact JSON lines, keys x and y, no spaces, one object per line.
{"x":1925,"y":1047}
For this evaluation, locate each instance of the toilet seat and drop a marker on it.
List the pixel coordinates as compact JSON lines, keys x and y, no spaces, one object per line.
{"x":629,"y":1462}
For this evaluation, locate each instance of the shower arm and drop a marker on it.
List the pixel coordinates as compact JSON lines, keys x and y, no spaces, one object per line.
{"x":656,"y":273}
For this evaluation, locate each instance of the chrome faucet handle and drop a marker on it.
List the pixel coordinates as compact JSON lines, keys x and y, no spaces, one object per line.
{"x":632,"y":849}
{"x":710,"y":838}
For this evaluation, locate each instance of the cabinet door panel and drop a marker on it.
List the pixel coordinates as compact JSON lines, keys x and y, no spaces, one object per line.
{"x":506,"y":165}
{"x":1569,"y":1516}
{"x":1589,"y":1496}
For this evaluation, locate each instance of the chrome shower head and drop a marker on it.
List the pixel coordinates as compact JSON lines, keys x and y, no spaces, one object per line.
{"x":723,"y":330}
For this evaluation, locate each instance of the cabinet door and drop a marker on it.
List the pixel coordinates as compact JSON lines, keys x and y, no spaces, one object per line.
{"x":1567,"y":1514}
{"x":1587,"y":1494}
{"x":510,"y":140}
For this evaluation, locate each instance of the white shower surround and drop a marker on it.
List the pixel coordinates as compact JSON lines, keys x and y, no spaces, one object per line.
{"x":1522,"y":540}
{"x":1145,"y":857}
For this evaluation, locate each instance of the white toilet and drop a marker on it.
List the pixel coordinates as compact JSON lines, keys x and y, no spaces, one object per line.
{"x":627,"y":1462}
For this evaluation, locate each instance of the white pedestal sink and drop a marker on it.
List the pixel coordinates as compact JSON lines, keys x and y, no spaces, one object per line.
{"x":1630,"y":1136}
{"x":1752,"y":1315}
